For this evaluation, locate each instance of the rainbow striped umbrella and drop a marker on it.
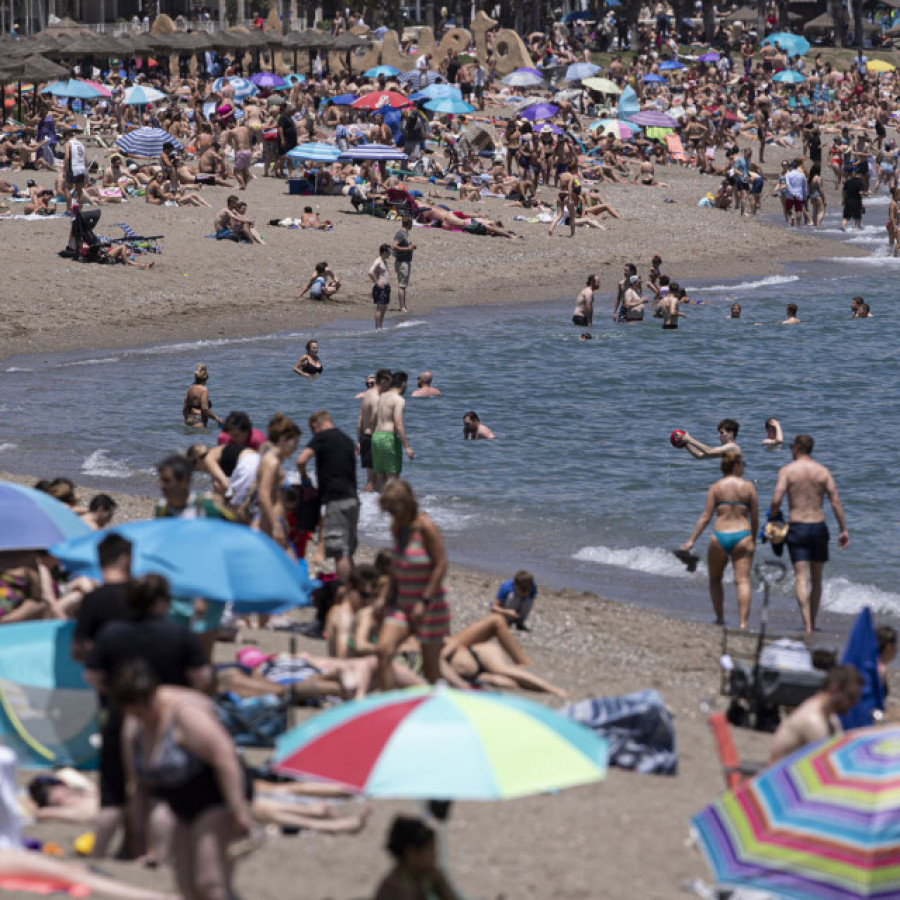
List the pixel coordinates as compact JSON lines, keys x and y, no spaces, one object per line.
{"x":821,"y":824}
{"x":443,"y":744}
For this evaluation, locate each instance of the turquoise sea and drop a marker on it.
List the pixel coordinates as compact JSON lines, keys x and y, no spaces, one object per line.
{"x":581,"y":485}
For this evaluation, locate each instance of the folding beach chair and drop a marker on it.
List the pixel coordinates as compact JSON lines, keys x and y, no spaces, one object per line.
{"x":734,"y":771}
{"x":403,"y":203}
{"x":139,"y":242}
{"x":676,"y":149}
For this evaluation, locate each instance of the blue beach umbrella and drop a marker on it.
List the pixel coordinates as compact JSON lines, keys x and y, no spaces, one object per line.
{"x":243,"y":88}
{"x":449,"y":106}
{"x":315,"y":152}
{"x":671,"y":65}
{"x":146,"y":142}
{"x":142,"y":96}
{"x":579,"y":71}
{"x":650,"y":78}
{"x":440,"y":91}
{"x":794,"y":44}
{"x":575,"y":15}
{"x":33,"y":520}
{"x":294,"y":78}
{"x":343,"y":99}
{"x":387,"y":71}
{"x":524,"y":77}
{"x":72,"y":88}
{"x":373,"y":151}
{"x":789,"y":76}
{"x":220,"y":561}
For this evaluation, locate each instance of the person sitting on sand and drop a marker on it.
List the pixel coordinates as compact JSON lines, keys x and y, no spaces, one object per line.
{"x":39,"y":201}
{"x":232,"y":223}
{"x":310,"y":221}
{"x":515,"y":598}
{"x":119,"y":253}
{"x":486,"y":654}
{"x":157,"y":196}
{"x":323,"y":283}
{"x":415,"y":875}
{"x":818,"y":717}
{"x":115,"y":176}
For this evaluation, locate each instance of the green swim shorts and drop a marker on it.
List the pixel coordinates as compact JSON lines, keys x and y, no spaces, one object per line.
{"x":387,"y":457}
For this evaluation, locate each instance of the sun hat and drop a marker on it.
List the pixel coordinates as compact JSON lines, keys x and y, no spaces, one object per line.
{"x":251,"y":657}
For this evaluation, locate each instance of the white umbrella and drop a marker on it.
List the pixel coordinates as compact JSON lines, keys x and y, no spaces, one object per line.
{"x":142,"y":96}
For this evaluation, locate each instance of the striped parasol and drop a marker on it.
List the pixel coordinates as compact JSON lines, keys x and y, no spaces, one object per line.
{"x":315,"y":152}
{"x":418,"y":78}
{"x":139,"y":95}
{"x":821,"y":824}
{"x":373,"y":151}
{"x":616,"y":127}
{"x":146,"y":142}
{"x":524,"y":77}
{"x":243,"y":88}
{"x":580,"y":71}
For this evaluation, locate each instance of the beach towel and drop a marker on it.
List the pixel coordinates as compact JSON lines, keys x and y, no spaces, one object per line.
{"x":675,"y":148}
{"x":638,"y":727}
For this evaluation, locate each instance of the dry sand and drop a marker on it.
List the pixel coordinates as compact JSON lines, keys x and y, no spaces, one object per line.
{"x":623,"y":838}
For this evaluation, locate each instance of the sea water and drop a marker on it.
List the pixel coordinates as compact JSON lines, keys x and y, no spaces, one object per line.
{"x":581,"y":485}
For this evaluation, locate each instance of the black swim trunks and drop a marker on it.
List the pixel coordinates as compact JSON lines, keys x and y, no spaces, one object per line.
{"x":381,"y":293}
{"x":365,"y":451}
{"x":808,"y":542}
{"x":580,"y":321}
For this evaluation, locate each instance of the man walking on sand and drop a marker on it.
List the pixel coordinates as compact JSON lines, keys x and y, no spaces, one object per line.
{"x":403,"y":254}
{"x":806,"y":484}
{"x":365,"y":424}
{"x":240,"y":137}
{"x":389,"y":435}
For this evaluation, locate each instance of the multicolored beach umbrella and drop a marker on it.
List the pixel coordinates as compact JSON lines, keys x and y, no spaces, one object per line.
{"x":443,"y":744}
{"x":821,"y":824}
{"x":243,"y":87}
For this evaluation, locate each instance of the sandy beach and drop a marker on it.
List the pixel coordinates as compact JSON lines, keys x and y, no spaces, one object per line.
{"x":204,"y":289}
{"x":622,"y":838}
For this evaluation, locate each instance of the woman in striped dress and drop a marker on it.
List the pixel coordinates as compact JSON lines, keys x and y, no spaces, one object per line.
{"x":417,"y":603}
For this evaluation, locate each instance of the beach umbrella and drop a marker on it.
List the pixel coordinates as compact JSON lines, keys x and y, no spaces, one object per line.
{"x":443,"y":744}
{"x":449,"y":106}
{"x":387,"y":71}
{"x":622,"y":130}
{"x":820,"y":824}
{"x":242,"y":86}
{"x":419,"y":78}
{"x":880,"y":65}
{"x":373,"y":151}
{"x":380,"y":99}
{"x":709,"y":57}
{"x":72,"y":88}
{"x":294,"y":78}
{"x":789,"y":76}
{"x":603,"y":85}
{"x":538,"y":111}
{"x":343,"y":100}
{"x":524,"y":77}
{"x":793,"y":44}
{"x":651,"y":78}
{"x":315,"y":152}
{"x":210,"y":558}
{"x":650,"y":119}
{"x":580,"y":71}
{"x":139,"y":95}
{"x":671,"y":65}
{"x":269,"y":81}
{"x":440,"y":91}
{"x":101,"y":88}
{"x":575,"y":15}
{"x":33,"y":520}
{"x":146,"y":142}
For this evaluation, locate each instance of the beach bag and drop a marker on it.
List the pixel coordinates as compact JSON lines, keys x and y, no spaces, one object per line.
{"x":252,"y":721}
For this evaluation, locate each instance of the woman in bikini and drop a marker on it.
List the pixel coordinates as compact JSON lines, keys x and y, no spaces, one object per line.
{"x":732,"y":500}
{"x":817,"y":204}
{"x":197,"y":407}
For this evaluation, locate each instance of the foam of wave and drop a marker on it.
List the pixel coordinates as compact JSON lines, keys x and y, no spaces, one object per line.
{"x":88,"y":362}
{"x":6,"y":445}
{"x":167,"y":349}
{"x":842,"y":596}
{"x":410,"y":323}
{"x":18,"y":369}
{"x":377,"y":523}
{"x":100,"y":465}
{"x":768,"y":281}
{"x":874,"y":260}
{"x":649,"y":560}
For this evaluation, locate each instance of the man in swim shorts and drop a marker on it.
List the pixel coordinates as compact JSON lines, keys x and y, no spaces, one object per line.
{"x":365,"y":424}
{"x":240,"y":137}
{"x":389,"y":437}
{"x":806,"y":484}
{"x":583,"y":316}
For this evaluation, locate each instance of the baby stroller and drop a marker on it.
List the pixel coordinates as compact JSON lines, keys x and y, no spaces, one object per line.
{"x":83,"y":244}
{"x":761,"y":674}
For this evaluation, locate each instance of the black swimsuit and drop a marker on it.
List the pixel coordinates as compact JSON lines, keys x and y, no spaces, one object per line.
{"x":310,"y":368}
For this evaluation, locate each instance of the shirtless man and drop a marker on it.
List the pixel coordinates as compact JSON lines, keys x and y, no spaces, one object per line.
{"x":240,"y":138}
{"x":619,"y":308}
{"x":566,"y":198}
{"x":381,"y":132}
{"x":389,"y":434}
{"x":762,"y":125}
{"x":365,"y":424}
{"x":39,"y":201}
{"x":583,"y":316}
{"x":728,"y":432}
{"x":115,"y":176}
{"x":791,"y":315}
{"x":668,"y":308}
{"x":817,"y":718}
{"x":806,"y":484}
{"x":647,"y":174}
{"x":211,"y":162}
{"x":424,"y":389}
{"x":474,"y":429}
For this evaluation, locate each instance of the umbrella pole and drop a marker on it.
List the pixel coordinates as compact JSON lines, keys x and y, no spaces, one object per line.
{"x":439,"y":813}
{"x":292,"y":708}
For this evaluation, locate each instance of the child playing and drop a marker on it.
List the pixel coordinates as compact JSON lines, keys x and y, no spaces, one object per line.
{"x":515,"y":599}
